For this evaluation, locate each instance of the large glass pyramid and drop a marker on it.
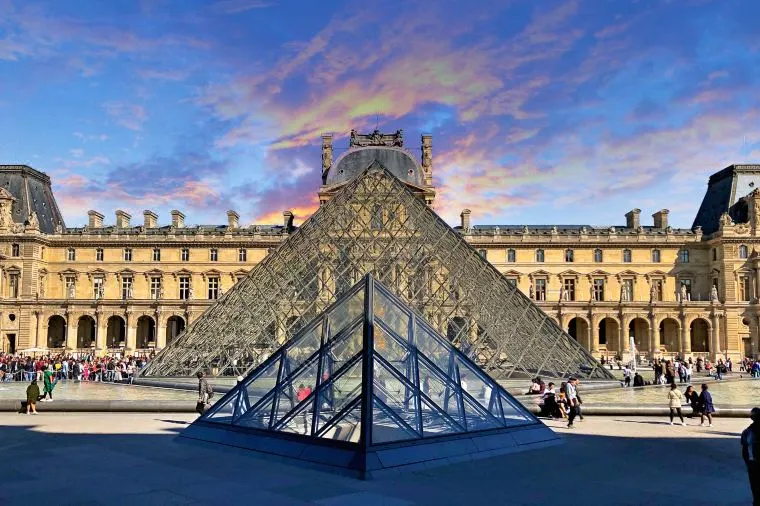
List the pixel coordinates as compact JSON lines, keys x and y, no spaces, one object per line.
{"x":376,"y":224}
{"x":369,"y":374}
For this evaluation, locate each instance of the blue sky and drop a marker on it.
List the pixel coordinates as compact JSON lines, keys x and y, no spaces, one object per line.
{"x":541,"y":112}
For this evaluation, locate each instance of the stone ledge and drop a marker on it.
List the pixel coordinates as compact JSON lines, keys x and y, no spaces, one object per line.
{"x":104,"y":406}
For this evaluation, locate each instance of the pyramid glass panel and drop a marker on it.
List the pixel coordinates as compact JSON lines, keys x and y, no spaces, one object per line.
{"x":372,"y":396}
{"x":429,"y":269}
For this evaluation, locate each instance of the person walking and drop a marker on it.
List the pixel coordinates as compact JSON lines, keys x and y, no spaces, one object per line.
{"x":692,"y":397}
{"x":48,"y":378}
{"x":32,"y":394}
{"x":706,"y":407}
{"x":626,"y":377}
{"x":750,"y":441}
{"x":675,"y":400}
{"x":205,"y":392}
{"x":572,"y":402}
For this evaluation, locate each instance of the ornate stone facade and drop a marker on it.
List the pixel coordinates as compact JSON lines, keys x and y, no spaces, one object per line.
{"x":126,"y":287}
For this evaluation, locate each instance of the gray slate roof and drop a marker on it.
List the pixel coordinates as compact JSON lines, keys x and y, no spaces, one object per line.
{"x":32,"y":191}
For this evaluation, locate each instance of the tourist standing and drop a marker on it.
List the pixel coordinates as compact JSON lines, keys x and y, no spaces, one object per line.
{"x":688,"y":372}
{"x":572,"y":402}
{"x":32,"y":394}
{"x":626,"y":376}
{"x":675,"y":401}
{"x":750,"y":441}
{"x":48,"y":384}
{"x":706,"y":407}
{"x":204,"y":393}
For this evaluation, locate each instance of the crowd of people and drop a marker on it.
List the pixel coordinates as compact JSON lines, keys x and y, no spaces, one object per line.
{"x":110,"y":368}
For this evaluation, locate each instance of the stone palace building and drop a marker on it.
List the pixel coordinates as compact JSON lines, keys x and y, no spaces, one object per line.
{"x":133,"y":287}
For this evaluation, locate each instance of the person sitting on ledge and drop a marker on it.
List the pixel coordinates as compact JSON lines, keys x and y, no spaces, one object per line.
{"x":638,"y":380}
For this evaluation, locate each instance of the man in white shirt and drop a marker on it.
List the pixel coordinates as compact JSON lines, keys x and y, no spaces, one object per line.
{"x":572,"y":401}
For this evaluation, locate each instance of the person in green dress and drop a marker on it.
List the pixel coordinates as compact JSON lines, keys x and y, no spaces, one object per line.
{"x":32,"y":394}
{"x":49,"y":383}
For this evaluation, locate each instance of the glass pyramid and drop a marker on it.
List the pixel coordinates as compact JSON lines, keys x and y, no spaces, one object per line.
{"x":377,"y":225}
{"x":365,"y":374}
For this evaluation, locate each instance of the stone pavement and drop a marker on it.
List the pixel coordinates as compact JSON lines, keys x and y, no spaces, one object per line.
{"x":129,"y":458}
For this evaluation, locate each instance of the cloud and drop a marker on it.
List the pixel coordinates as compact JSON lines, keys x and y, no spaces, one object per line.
{"x":163,"y":74}
{"x":238,"y":6}
{"x":131,"y":116}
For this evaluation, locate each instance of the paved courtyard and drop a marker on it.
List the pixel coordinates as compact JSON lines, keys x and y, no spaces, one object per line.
{"x":104,"y":458}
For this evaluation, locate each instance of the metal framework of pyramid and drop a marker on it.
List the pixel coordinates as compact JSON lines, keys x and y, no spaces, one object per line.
{"x":377,"y":225}
{"x":366,"y":387}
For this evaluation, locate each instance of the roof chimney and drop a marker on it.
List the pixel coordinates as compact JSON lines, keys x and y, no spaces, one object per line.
{"x":466,"y":225}
{"x":287,"y":219}
{"x":122,"y":219}
{"x":632,"y":218}
{"x":178,"y":219}
{"x":233,"y":219}
{"x":95,"y":219}
{"x":151,"y":219}
{"x":661,"y":218}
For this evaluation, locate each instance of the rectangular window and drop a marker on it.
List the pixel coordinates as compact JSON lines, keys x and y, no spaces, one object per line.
{"x":598,"y":256}
{"x":626,"y":290}
{"x":539,"y":255}
{"x":126,"y":288}
{"x":127,"y":254}
{"x":540,"y":289}
{"x":745,"y":288}
{"x":512,"y":281}
{"x":511,"y":255}
{"x":70,"y":283}
{"x":185,"y":255}
{"x":568,"y":289}
{"x":627,"y":256}
{"x":569,"y":255}
{"x":155,"y":287}
{"x":71,"y":254}
{"x":214,"y":254}
{"x":99,"y":255}
{"x":656,"y":256}
{"x":213,"y":288}
{"x":683,"y":256}
{"x":15,"y":250}
{"x":657,"y":290}
{"x":242,"y":255}
{"x":599,"y":290}
{"x":98,"y":282}
{"x":13,"y":282}
{"x":184,"y":287}
{"x":714,"y":254}
{"x":156,"y":255}
{"x":483,"y":253}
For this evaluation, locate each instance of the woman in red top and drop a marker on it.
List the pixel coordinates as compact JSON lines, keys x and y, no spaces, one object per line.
{"x":301,"y":394}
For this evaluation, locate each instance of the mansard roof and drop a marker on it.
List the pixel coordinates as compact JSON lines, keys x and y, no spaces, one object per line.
{"x":33,"y":193}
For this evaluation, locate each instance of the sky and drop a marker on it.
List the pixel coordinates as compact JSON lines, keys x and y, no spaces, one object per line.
{"x":542,"y":112}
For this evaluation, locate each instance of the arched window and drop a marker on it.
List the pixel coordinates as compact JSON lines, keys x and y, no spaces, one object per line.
{"x":569,"y":255}
{"x":539,"y":255}
{"x":743,"y":252}
{"x":627,"y":256}
{"x":511,"y":256}
{"x":598,"y":256}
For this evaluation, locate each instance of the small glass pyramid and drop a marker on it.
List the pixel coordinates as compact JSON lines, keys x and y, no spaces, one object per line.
{"x":368,"y":373}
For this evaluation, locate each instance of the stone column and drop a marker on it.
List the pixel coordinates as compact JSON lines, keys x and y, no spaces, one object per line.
{"x":685,"y":338}
{"x":160,"y":331}
{"x":714,"y":336}
{"x":131,"y":333}
{"x":623,"y":336}
{"x":100,"y":332}
{"x":593,"y":330}
{"x":71,"y":332}
{"x":754,"y":334}
{"x":654,"y":337}
{"x":38,"y":343}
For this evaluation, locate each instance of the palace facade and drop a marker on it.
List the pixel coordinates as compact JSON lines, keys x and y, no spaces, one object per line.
{"x":132,"y":287}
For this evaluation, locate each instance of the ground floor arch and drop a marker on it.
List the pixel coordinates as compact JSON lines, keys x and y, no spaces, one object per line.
{"x":116,"y":333}
{"x":699,"y":335}
{"x":638,"y":328}
{"x":175,"y":325}
{"x":609,"y":332}
{"x":146,"y":332}
{"x":85,"y":332}
{"x":669,"y":331}
{"x":578,"y":329}
{"x":56,"y":336}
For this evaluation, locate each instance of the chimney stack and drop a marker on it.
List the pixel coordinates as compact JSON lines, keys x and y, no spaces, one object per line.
{"x":122,"y":219}
{"x":633,"y":218}
{"x":233,"y":219}
{"x":151,"y":219}
{"x":95,"y":219}
{"x":287,"y":219}
{"x":465,"y":220}
{"x":661,"y":218}
{"x":178,"y":219}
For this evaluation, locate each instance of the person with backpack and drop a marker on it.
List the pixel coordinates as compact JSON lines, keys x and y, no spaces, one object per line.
{"x":205,"y":393}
